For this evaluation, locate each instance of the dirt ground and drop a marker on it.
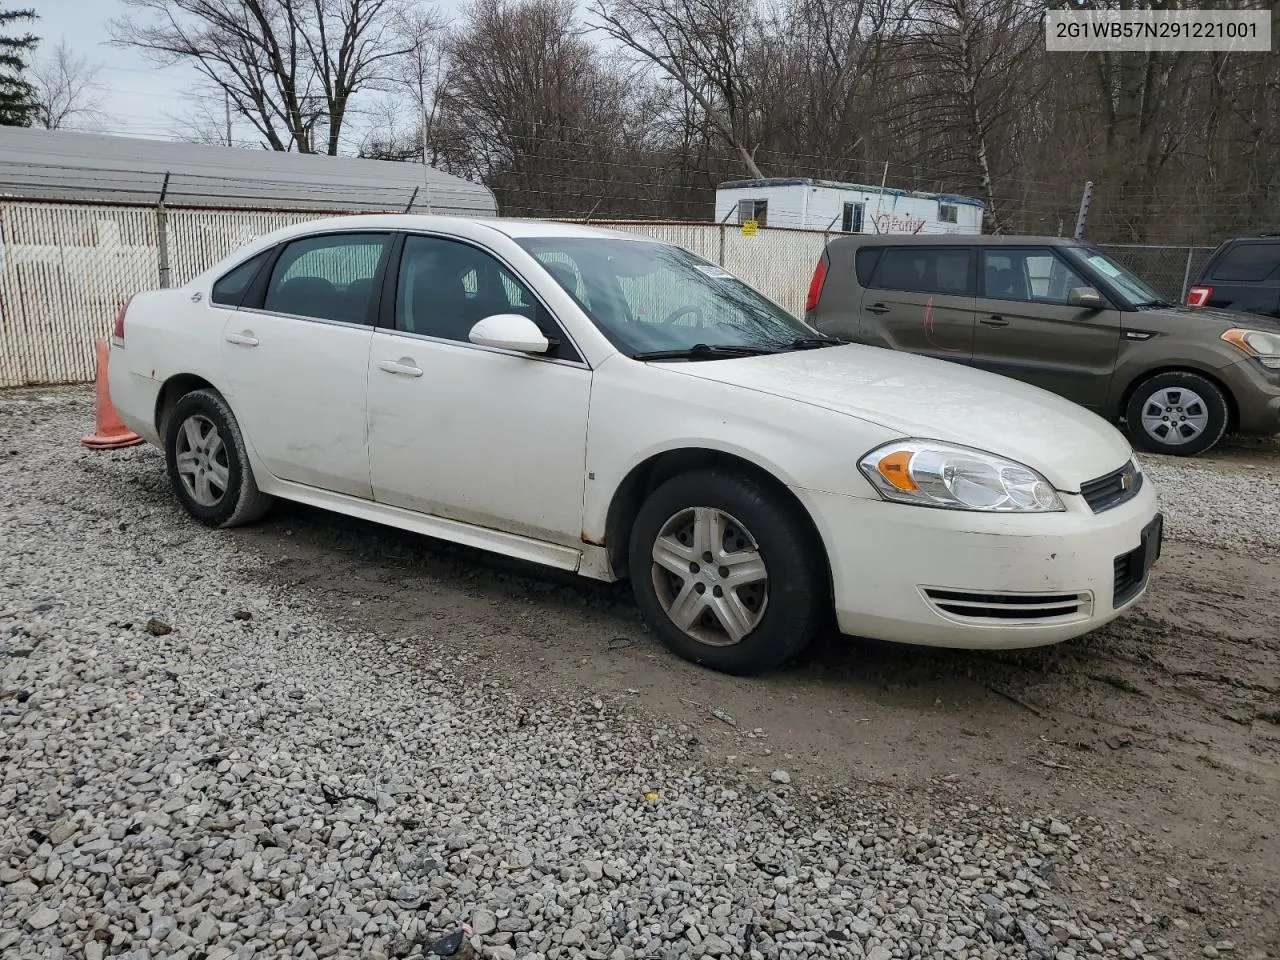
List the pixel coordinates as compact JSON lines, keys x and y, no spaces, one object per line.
{"x":1164,"y":726}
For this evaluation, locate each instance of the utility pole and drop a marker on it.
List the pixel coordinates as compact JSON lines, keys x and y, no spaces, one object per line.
{"x":1084,"y":209}
{"x":226,"y":103}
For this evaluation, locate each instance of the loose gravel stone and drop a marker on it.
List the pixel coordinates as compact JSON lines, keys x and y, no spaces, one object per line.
{"x":275,"y":785}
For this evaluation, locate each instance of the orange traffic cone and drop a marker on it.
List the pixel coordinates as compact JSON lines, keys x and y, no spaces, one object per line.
{"x":111,"y":432}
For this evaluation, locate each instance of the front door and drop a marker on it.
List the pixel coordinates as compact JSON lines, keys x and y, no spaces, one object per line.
{"x":297,"y":361}
{"x":921,"y":300}
{"x":475,"y":434}
{"x":1028,"y":331}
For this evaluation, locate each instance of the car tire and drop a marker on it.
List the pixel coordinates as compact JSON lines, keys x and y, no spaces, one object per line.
{"x":772,"y":619}
{"x":1161,"y":420}
{"x":207,"y":463}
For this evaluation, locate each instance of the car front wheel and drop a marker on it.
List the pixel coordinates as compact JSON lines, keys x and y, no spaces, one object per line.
{"x":1177,"y":413}
{"x":725,"y":573}
{"x":207,"y":464}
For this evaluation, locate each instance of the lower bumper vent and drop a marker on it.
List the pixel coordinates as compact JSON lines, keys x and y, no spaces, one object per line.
{"x":1006,"y":607}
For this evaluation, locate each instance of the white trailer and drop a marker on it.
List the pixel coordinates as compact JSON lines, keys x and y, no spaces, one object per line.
{"x":805,"y":204}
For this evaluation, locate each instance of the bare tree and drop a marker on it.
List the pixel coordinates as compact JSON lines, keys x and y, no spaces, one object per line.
{"x":700,"y":44}
{"x":67,"y":90}
{"x":289,"y":67}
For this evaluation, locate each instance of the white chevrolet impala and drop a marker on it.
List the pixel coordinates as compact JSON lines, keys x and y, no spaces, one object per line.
{"x":619,"y":407}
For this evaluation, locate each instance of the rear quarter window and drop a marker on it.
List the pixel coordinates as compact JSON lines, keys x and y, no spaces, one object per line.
{"x":1248,"y":263}
{"x":864,"y":264}
{"x":230,"y":288}
{"x":943,"y":270}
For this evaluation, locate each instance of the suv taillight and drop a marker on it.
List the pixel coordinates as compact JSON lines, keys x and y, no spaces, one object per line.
{"x":815,"y":285}
{"x":1199,"y":296}
{"x":117,"y":329}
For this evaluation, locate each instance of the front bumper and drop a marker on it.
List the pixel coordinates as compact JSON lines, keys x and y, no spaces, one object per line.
{"x":1256,"y":391}
{"x":971,"y":580}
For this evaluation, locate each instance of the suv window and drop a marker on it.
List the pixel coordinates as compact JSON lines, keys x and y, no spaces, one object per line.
{"x":329,"y":277}
{"x":1248,"y":262}
{"x":445,"y":287}
{"x":864,"y":264}
{"x":944,"y":270}
{"x":230,"y":288}
{"x":1035,"y":275}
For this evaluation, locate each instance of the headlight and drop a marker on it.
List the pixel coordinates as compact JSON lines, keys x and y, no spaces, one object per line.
{"x":930,"y":473}
{"x":1264,"y":346}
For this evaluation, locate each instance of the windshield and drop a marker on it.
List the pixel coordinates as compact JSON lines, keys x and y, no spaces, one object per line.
{"x":649,"y":297}
{"x":1134,"y":291}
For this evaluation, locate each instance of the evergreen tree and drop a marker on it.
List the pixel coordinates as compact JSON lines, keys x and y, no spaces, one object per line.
{"x":17,"y":106}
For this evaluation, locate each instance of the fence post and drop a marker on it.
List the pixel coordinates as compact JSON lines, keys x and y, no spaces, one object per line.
{"x":162,"y":235}
{"x":1084,"y":209}
{"x":1186,"y":275}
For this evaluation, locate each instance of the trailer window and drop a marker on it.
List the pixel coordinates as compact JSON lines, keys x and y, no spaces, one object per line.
{"x":948,"y":213}
{"x":757,"y":210}
{"x":852,"y":220}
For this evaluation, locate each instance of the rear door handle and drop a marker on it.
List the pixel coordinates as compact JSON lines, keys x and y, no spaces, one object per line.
{"x":877,"y":308}
{"x":994,"y":321}
{"x":404,"y":367}
{"x":246,"y":339}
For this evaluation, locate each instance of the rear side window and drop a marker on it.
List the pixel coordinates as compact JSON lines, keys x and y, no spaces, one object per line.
{"x":945,"y":270}
{"x":1248,"y":262}
{"x":230,"y":288}
{"x":328,"y":278}
{"x":864,"y":264}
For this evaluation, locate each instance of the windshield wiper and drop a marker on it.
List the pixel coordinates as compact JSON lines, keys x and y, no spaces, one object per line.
{"x":1147,"y":304}
{"x":813,"y":343}
{"x":703,"y":351}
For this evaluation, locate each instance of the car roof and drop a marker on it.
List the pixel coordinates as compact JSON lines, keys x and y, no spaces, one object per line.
{"x":417,"y":221}
{"x":951,"y":240}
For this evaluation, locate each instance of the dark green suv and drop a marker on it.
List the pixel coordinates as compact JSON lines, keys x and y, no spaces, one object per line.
{"x":1062,"y":315}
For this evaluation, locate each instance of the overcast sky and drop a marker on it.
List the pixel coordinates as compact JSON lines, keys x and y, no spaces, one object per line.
{"x":142,"y":99}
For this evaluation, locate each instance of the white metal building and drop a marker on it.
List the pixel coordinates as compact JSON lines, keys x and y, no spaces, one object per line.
{"x":806,"y":204}
{"x":78,"y":167}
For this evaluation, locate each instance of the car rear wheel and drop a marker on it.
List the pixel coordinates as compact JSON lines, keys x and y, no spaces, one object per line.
{"x":1177,"y":413}
{"x":207,"y":464}
{"x":725,"y":574}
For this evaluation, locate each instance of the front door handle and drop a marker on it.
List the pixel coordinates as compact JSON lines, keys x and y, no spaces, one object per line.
{"x":246,"y":339}
{"x":877,"y":308}
{"x":405,"y":367}
{"x":995,"y":320}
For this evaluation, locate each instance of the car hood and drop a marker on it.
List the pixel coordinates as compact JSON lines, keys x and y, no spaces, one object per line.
{"x":1217,"y":320}
{"x":937,"y":400}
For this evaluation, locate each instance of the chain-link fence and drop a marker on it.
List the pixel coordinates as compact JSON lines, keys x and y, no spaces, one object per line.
{"x":1168,"y":270}
{"x":65,"y":268}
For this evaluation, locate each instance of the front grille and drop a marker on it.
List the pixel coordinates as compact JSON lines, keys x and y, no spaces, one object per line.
{"x":965,"y":605}
{"x":1111,"y":490}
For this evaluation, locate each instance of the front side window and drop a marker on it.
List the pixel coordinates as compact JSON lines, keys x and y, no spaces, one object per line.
{"x":1134,"y":291}
{"x":944,"y":270}
{"x":445,"y":287}
{"x":1032,"y":275}
{"x":648,"y":296}
{"x":328,"y":278}
{"x":230,"y":288}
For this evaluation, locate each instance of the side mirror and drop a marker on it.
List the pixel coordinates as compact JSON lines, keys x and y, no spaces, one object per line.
{"x":1087,"y":298}
{"x":509,"y":331}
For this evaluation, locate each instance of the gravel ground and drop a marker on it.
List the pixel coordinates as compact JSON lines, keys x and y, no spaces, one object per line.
{"x":197,"y":765}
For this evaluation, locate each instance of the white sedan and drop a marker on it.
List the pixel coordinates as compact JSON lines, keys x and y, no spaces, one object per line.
{"x":619,"y":407}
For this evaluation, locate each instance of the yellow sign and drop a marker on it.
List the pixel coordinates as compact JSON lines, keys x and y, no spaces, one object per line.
{"x":749,"y":228}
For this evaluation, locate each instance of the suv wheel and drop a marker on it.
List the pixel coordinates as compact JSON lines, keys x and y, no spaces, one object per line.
{"x":207,"y":464}
{"x":726,"y":575}
{"x":1176,"y":413}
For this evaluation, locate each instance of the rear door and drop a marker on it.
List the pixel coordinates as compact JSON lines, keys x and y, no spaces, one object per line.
{"x":297,"y":360}
{"x":921,"y":299}
{"x":1026,"y":329}
{"x":1246,"y":276}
